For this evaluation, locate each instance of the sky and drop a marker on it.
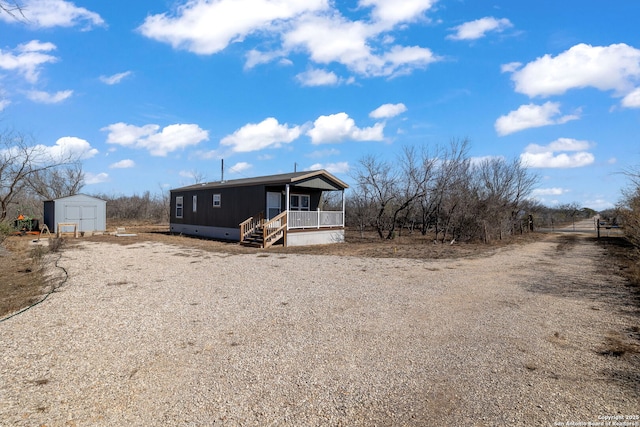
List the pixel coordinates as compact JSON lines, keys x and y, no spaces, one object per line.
{"x":152,"y":95}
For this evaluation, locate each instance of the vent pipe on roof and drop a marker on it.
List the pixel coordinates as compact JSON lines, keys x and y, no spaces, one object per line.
{"x":222,"y":170}
{"x":295,"y":167}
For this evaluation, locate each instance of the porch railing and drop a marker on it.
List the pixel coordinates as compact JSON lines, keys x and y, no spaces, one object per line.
{"x":315,"y":219}
{"x":250,"y":225}
{"x":274,"y":229}
{"x":271,"y":230}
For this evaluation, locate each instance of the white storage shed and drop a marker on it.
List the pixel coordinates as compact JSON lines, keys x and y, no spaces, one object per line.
{"x":88,"y":213}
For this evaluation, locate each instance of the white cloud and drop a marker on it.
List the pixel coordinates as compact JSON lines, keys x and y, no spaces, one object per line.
{"x":157,"y":142}
{"x":68,"y":147}
{"x":392,"y":12}
{"x":331,"y":39}
{"x":123,"y":164}
{"x":560,"y":144}
{"x":49,"y":98}
{"x":54,"y":13}
{"x":632,"y":100}
{"x":115,"y":78}
{"x":315,"y":27}
{"x":387,"y":111}
{"x":257,"y":136}
{"x":255,"y":57}
{"x":531,"y":116}
{"x":27,"y":58}
{"x":90,"y":178}
{"x":207,"y":27}
{"x":599,"y":204}
{"x":317,"y":77}
{"x":537,"y":156}
{"x":340,"y":127}
{"x":615,"y":67}
{"x":240,"y":167}
{"x":479,"y":28}
{"x":556,"y":191}
{"x":561,"y":161}
{"x":339,"y":167}
{"x":510,"y":67}
{"x":4,"y":103}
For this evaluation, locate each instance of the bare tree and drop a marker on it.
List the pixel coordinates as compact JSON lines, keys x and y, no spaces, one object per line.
{"x":377,"y":181}
{"x":416,"y":170}
{"x":57,"y":182}
{"x":19,"y":162}
{"x":360,"y":208}
{"x":451,"y":178}
{"x":198,"y":177}
{"x":505,"y":185}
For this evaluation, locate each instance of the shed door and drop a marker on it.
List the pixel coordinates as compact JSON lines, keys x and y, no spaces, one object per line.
{"x":274,"y":204}
{"x":85,"y":216}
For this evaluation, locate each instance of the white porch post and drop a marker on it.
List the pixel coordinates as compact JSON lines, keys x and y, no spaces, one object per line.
{"x":343,"y":204}
{"x":318,"y":220}
{"x":286,"y":204}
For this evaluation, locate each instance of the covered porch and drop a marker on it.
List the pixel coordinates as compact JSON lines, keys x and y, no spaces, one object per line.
{"x":303,"y":220}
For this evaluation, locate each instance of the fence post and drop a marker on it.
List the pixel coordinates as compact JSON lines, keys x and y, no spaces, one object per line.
{"x":598,"y":227}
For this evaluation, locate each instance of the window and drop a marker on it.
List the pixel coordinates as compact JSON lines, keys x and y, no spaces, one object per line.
{"x":195,"y":203}
{"x":179,"y":203}
{"x":217,"y":202}
{"x":299,"y":202}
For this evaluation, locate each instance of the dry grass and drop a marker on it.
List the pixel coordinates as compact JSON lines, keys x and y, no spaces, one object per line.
{"x":619,"y":345}
{"x":625,"y":257}
{"x":23,"y":282}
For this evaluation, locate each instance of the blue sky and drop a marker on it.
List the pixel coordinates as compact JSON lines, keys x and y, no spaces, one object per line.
{"x":151,"y":94}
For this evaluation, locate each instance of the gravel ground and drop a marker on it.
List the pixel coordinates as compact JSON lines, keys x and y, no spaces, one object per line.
{"x":154,"y":334}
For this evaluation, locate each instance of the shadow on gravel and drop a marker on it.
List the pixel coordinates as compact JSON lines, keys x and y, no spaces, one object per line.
{"x":605,"y":287}
{"x":605,"y":290}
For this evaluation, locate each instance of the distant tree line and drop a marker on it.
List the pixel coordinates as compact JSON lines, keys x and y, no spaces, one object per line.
{"x":146,"y":207}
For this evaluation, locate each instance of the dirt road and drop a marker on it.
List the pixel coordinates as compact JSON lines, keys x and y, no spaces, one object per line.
{"x":153,"y":334}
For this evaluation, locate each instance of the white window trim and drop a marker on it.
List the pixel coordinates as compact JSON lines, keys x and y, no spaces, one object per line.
{"x":299,"y":207}
{"x":217,"y":196}
{"x":179,"y":206}
{"x":194,"y":202}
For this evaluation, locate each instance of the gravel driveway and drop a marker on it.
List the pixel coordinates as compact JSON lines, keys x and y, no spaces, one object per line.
{"x":153,"y":334}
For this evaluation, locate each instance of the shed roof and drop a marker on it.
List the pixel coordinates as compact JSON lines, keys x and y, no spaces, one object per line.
{"x":320,"y":179}
{"x":77,"y":197}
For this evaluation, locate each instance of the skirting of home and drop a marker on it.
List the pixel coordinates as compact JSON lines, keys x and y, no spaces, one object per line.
{"x":294,"y":237}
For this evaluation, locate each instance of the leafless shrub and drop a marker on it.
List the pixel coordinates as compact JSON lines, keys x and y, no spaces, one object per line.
{"x":55,"y":244}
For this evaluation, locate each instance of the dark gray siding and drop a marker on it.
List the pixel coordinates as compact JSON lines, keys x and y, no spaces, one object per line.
{"x":237,"y":204}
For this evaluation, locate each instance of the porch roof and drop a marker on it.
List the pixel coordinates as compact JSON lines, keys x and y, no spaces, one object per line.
{"x":319,"y":179}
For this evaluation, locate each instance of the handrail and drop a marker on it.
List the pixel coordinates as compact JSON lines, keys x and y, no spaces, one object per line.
{"x":250,"y":225}
{"x":270,"y":230}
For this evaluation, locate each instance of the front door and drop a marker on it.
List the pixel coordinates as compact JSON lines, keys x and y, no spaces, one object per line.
{"x":274,"y":204}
